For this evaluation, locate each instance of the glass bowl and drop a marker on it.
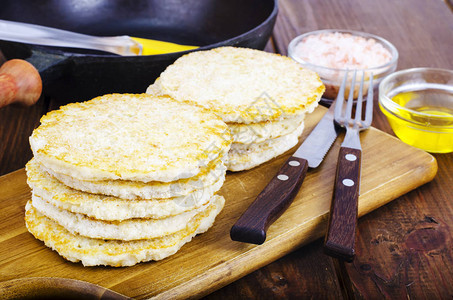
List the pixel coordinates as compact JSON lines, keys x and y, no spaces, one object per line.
{"x":331,"y":76}
{"x":418,"y":104}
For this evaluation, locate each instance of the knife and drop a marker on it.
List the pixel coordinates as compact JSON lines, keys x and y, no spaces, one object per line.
{"x":278,"y":194}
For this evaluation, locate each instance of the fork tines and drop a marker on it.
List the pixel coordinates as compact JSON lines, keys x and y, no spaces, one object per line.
{"x":344,"y":115}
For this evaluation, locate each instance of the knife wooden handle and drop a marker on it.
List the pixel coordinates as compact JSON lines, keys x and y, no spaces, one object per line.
{"x":19,"y":82}
{"x":341,"y":232}
{"x":271,"y":202}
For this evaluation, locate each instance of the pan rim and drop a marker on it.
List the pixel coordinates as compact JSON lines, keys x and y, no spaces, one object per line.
{"x":69,"y":54}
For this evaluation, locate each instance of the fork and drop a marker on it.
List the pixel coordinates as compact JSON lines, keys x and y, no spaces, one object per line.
{"x":340,"y":237}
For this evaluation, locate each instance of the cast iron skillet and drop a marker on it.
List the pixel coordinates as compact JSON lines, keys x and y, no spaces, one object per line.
{"x":76,"y":75}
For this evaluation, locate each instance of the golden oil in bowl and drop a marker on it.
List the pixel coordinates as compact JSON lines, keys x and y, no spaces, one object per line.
{"x":418,"y":104}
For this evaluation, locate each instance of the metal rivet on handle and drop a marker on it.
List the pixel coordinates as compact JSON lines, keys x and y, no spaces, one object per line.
{"x":282,"y":177}
{"x":294,"y":163}
{"x":348,"y":182}
{"x":350,"y":157}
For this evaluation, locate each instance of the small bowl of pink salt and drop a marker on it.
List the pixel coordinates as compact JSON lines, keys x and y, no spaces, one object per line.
{"x":331,"y":52}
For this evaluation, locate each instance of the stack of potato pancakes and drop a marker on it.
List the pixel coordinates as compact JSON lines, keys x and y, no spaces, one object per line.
{"x":123,"y":178}
{"x":129,"y":178}
{"x":263,"y":97}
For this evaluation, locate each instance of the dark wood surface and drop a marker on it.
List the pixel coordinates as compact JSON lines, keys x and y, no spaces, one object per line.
{"x":405,"y":248}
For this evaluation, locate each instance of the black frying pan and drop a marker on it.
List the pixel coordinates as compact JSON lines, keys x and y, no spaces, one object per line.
{"x":75,"y":74}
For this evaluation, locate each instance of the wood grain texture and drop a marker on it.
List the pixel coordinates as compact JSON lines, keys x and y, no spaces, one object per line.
{"x":405,"y":248}
{"x":273,"y":200}
{"x":404,"y":24}
{"x":16,"y":125}
{"x":341,"y":231}
{"x":421,"y":31}
{"x":55,"y":288}
{"x":385,"y":265}
{"x":212,"y":260}
{"x":287,"y":278}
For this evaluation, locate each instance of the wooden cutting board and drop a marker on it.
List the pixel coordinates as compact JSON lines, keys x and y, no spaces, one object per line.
{"x":390,"y":169}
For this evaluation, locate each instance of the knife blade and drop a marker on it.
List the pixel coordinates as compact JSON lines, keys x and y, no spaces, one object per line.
{"x":319,"y":141}
{"x":275,"y":198}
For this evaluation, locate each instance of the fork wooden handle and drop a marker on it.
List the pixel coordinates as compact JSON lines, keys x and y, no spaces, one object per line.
{"x":271,"y":202}
{"x":341,"y":232}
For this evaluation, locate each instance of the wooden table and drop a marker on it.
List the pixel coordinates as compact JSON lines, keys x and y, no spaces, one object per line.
{"x":405,"y":248}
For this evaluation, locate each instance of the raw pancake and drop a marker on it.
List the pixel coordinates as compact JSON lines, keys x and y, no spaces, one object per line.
{"x":129,"y":137}
{"x":262,"y":131}
{"x":127,"y":189}
{"x":242,"y":85}
{"x":127,"y":230}
{"x":244,"y":157}
{"x":110,"y":208}
{"x":116,"y":253}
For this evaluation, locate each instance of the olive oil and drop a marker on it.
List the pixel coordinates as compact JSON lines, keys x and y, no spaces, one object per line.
{"x":425,"y":119}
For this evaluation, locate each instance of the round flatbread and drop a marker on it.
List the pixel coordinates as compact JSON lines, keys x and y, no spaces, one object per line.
{"x":127,"y":189}
{"x":244,"y":157}
{"x":116,"y":253}
{"x":137,"y":137}
{"x":109,"y":208}
{"x":262,"y":131}
{"x":126,"y":230}
{"x":241,"y":85}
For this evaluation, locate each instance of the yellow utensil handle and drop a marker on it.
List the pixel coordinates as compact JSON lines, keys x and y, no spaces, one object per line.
{"x":153,"y":47}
